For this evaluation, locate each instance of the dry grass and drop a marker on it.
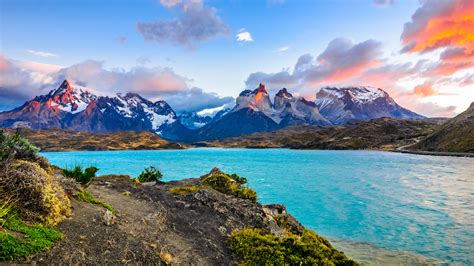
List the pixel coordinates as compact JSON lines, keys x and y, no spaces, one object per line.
{"x":34,"y":191}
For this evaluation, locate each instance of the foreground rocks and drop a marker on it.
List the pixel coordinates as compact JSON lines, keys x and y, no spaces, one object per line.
{"x":153,"y":225}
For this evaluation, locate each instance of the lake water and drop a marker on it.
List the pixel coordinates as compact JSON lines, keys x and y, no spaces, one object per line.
{"x":399,"y":202}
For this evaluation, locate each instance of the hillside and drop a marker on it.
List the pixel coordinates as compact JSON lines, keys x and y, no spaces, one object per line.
{"x":68,"y":140}
{"x":381,"y":133}
{"x":456,"y":135}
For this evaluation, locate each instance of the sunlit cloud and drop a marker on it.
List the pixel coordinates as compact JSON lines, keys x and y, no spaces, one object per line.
{"x":244,"y":36}
{"x":440,"y":24}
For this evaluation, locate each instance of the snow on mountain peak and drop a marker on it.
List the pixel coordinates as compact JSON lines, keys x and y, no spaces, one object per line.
{"x":361,"y":94}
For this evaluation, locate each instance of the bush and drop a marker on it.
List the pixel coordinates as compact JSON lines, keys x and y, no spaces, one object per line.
{"x":16,"y":147}
{"x":183,"y":190}
{"x":228,"y":185}
{"x":82,"y":176}
{"x":239,"y":179}
{"x":255,"y":247}
{"x":150,"y":174}
{"x":34,"y":191}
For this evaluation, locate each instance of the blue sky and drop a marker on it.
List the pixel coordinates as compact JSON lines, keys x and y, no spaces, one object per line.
{"x":106,"y":31}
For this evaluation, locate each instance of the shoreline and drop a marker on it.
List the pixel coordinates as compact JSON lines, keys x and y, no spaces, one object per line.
{"x":429,"y":153}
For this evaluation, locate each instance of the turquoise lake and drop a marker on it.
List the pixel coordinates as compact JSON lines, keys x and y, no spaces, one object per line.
{"x":401,"y":202}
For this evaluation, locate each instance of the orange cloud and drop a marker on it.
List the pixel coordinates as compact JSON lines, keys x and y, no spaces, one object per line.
{"x":425,"y":90}
{"x":442,"y":24}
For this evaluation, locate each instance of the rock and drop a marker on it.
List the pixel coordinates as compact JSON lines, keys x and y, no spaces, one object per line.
{"x":109,"y":218}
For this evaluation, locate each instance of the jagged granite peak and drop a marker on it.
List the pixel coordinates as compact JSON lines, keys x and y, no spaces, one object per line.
{"x":258,"y":100}
{"x":284,"y":93}
{"x":340,"y":105}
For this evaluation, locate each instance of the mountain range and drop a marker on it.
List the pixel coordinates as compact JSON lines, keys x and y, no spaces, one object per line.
{"x":83,"y":109}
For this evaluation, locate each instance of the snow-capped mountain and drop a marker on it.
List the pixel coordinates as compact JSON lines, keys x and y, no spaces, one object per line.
{"x":340,"y":105}
{"x":78,"y":108}
{"x":195,"y":120}
{"x":285,"y":110}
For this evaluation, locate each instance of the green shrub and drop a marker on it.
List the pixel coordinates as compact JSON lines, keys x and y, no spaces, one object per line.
{"x":228,"y":185}
{"x":255,"y":247}
{"x":16,"y":147}
{"x":36,"y":238}
{"x":184,"y":190}
{"x":82,"y":176}
{"x":85,"y":196}
{"x":239,"y":179}
{"x":150,"y":174}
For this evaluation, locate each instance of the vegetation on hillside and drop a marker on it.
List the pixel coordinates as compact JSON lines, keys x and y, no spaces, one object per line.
{"x":456,"y":135}
{"x":256,"y":247}
{"x":229,"y":184}
{"x":381,"y":133}
{"x":82,"y":176}
{"x":85,"y":196}
{"x":150,"y":174}
{"x":31,"y":199}
{"x":68,"y":140}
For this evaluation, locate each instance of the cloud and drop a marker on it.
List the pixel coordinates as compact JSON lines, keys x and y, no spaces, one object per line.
{"x":384,"y":3}
{"x":121,"y":40}
{"x":19,"y":83}
{"x":425,"y":90}
{"x":283,"y":49}
{"x":170,"y":3}
{"x":194,"y":99}
{"x":196,"y":23}
{"x":441,"y":24}
{"x":244,"y":36}
{"x":41,"y":53}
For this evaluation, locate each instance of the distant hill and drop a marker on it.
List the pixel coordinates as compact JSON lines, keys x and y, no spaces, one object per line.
{"x":381,"y":133}
{"x":68,"y":140}
{"x":455,"y":135}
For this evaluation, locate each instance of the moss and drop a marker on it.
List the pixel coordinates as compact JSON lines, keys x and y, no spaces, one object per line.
{"x":255,"y":247}
{"x":35,"y":238}
{"x":183,"y":190}
{"x":86,"y":196}
{"x":229,"y":185}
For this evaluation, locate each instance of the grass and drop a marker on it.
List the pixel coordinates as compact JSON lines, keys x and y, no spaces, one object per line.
{"x":86,"y":196}
{"x":255,"y":247}
{"x":30,"y":239}
{"x":184,"y":190}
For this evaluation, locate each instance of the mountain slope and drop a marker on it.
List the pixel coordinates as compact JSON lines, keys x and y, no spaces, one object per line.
{"x":381,"y":133}
{"x":236,"y":123}
{"x":78,"y":108}
{"x":455,"y":135}
{"x":340,"y":105}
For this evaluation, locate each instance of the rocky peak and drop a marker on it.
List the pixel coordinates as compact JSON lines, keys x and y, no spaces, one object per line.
{"x":284,"y":93}
{"x":261,"y":89}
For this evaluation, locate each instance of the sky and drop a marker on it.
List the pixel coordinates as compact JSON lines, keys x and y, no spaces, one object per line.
{"x":199,"y":54}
